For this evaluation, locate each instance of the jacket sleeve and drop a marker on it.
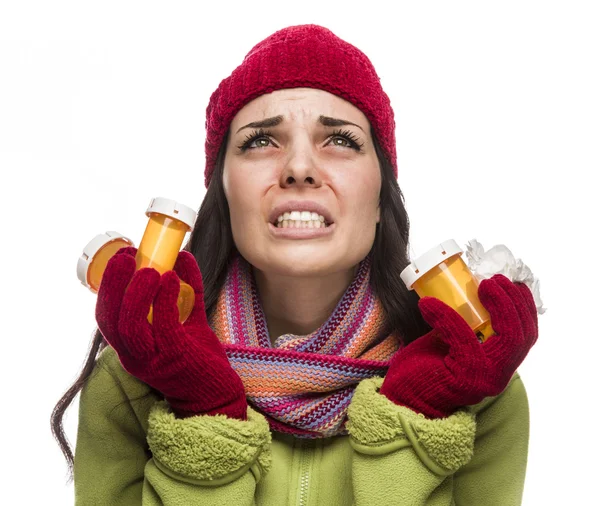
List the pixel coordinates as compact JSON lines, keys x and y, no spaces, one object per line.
{"x":401,"y":457}
{"x":495,"y":475}
{"x":131,"y":450}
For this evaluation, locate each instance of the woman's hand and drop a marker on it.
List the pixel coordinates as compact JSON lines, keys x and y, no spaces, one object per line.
{"x":448,"y":368}
{"x":185,"y":362}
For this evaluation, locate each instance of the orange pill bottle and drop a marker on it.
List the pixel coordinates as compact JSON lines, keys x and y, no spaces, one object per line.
{"x":443,"y":274}
{"x":167,"y":225}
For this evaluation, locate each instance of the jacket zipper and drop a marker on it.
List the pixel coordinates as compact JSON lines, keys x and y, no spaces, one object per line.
{"x":304,"y":476}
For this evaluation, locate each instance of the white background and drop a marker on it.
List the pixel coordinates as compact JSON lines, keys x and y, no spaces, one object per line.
{"x":498,"y":125}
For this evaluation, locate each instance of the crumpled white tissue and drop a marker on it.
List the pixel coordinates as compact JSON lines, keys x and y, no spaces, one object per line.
{"x":500,"y":260}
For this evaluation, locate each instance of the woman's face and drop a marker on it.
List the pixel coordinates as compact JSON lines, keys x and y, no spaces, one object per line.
{"x":300,"y":156}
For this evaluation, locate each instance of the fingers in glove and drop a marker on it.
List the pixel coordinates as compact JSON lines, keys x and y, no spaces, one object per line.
{"x":464,"y":347}
{"x":117,"y":275}
{"x":186,"y":267}
{"x":133,"y":320}
{"x":532,"y":308}
{"x":165,"y":319}
{"x":519,"y":300}
{"x":509,"y":341}
{"x":127,"y":250}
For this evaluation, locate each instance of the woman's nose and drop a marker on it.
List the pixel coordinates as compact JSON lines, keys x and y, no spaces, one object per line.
{"x":301,"y":166}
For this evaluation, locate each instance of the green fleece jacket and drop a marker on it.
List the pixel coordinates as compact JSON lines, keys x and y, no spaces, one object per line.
{"x":131,"y":450}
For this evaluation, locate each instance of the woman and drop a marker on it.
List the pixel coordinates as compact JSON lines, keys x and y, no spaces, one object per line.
{"x":306,"y":373}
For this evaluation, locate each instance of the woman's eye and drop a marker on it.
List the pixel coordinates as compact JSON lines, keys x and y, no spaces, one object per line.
{"x":345,"y":142}
{"x":256,"y":136}
{"x":261,"y":142}
{"x":348,"y":140}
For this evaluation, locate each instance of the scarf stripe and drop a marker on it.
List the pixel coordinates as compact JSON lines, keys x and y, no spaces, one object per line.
{"x":303,"y":384}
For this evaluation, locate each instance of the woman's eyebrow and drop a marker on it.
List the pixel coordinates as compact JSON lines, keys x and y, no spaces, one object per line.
{"x":327,"y":121}
{"x":265,"y":123}
{"x":276,"y":120}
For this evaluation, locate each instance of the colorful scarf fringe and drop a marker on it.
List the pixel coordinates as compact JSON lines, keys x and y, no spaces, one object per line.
{"x":303,"y":384}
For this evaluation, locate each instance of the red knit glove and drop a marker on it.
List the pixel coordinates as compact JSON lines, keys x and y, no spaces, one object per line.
{"x":448,"y":368}
{"x":185,"y":362}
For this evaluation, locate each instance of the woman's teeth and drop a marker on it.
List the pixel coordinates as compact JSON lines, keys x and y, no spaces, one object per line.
{"x":301,"y":219}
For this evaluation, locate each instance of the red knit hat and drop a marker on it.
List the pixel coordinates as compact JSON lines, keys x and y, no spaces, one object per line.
{"x":302,"y":56}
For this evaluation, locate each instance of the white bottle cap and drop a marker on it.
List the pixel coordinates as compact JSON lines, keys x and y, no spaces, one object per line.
{"x":428,"y":261}
{"x":173,"y":210}
{"x":90,"y":250}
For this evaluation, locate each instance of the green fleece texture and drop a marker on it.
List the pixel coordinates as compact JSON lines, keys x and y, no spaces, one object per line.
{"x":208,"y":448}
{"x":376,"y":423}
{"x":131,"y":450}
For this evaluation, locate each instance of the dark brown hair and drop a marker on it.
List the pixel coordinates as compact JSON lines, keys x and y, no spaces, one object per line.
{"x":211,"y":242}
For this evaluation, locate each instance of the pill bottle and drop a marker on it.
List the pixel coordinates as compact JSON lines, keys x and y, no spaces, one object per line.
{"x":443,"y":274}
{"x":167,"y":225}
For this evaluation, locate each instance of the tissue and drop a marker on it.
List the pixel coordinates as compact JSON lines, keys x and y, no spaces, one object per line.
{"x":500,"y":260}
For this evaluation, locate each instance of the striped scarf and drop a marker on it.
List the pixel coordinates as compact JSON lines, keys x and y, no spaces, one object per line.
{"x":303,"y":384}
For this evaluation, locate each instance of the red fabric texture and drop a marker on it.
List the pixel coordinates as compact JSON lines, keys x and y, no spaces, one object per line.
{"x":449,"y":368}
{"x":185,"y":362}
{"x":302,"y":56}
